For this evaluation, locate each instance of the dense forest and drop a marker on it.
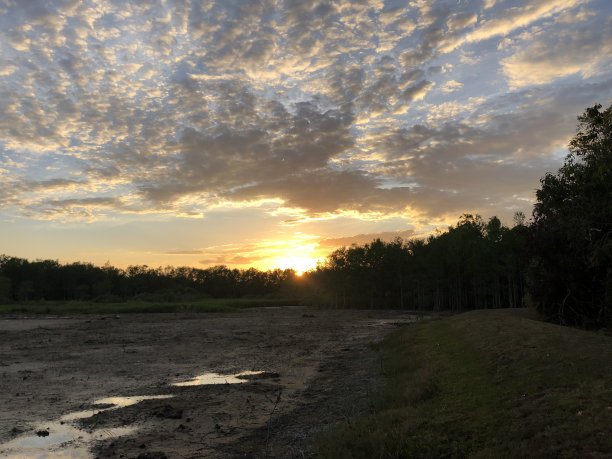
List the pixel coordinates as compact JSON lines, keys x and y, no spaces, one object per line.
{"x":472,"y":265}
{"x":560,"y":262}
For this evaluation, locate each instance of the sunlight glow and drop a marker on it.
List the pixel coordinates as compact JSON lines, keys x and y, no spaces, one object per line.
{"x":299,"y":252}
{"x":298,"y":264}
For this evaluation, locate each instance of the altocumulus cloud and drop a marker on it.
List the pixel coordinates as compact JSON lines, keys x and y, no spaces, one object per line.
{"x":368,"y":109}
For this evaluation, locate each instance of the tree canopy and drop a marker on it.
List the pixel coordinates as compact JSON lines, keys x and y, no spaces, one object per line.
{"x":570,"y":275}
{"x":475,"y":264}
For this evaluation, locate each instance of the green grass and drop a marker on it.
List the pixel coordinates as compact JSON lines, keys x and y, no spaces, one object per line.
{"x":87,"y":307}
{"x":486,"y":384}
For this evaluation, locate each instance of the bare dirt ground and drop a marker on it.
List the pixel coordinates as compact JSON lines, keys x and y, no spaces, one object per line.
{"x":318,"y":368}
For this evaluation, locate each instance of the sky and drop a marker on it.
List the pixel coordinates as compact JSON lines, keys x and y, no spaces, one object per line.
{"x":269,"y":133}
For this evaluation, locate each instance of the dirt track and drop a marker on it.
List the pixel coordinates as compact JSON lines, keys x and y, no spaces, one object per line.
{"x":317,"y":369}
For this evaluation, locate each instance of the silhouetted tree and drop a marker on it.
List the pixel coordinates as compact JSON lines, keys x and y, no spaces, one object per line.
{"x":570,"y":275}
{"x":472,"y":265}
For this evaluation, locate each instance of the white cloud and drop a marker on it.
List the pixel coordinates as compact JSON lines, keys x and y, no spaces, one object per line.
{"x":7,"y":70}
{"x":513,"y":18}
{"x":587,"y":51}
{"x":451,"y":86}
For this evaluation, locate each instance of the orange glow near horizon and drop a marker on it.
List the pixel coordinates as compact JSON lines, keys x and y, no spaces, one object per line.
{"x":298,"y":264}
{"x":300,"y":252}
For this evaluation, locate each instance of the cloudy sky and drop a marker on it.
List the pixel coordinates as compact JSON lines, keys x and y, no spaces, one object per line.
{"x":268,"y":133}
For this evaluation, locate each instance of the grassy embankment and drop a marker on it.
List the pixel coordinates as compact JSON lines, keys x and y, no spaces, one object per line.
{"x":486,"y":384}
{"x":89,"y":307}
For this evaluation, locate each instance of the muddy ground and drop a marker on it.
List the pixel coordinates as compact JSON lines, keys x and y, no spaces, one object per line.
{"x":318,"y":369}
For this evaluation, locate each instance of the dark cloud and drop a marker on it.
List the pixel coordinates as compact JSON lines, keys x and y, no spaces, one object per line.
{"x":57,"y":203}
{"x":281,"y":146}
{"x":417,"y":91}
{"x":321,"y":192}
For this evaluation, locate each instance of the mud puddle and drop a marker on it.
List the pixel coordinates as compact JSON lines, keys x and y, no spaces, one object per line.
{"x":216,"y":378}
{"x":62,"y":438}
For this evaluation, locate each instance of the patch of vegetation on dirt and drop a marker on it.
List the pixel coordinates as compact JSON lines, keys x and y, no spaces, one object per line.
{"x":486,"y":384}
{"x":91,"y":307}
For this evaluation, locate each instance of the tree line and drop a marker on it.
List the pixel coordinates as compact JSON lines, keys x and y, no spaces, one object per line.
{"x":23,"y":280}
{"x":560,"y":262}
{"x":472,"y":265}
{"x":475,"y":264}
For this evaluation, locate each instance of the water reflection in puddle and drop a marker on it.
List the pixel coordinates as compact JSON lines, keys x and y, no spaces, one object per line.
{"x":216,"y":378}
{"x":113,"y":403}
{"x":64,"y":439}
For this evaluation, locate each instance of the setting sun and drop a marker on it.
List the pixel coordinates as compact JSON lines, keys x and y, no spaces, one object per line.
{"x":299,"y":264}
{"x":300,"y":252}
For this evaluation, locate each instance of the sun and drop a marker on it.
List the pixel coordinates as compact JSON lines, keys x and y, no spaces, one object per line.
{"x":299,"y":264}
{"x":301,"y":253}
